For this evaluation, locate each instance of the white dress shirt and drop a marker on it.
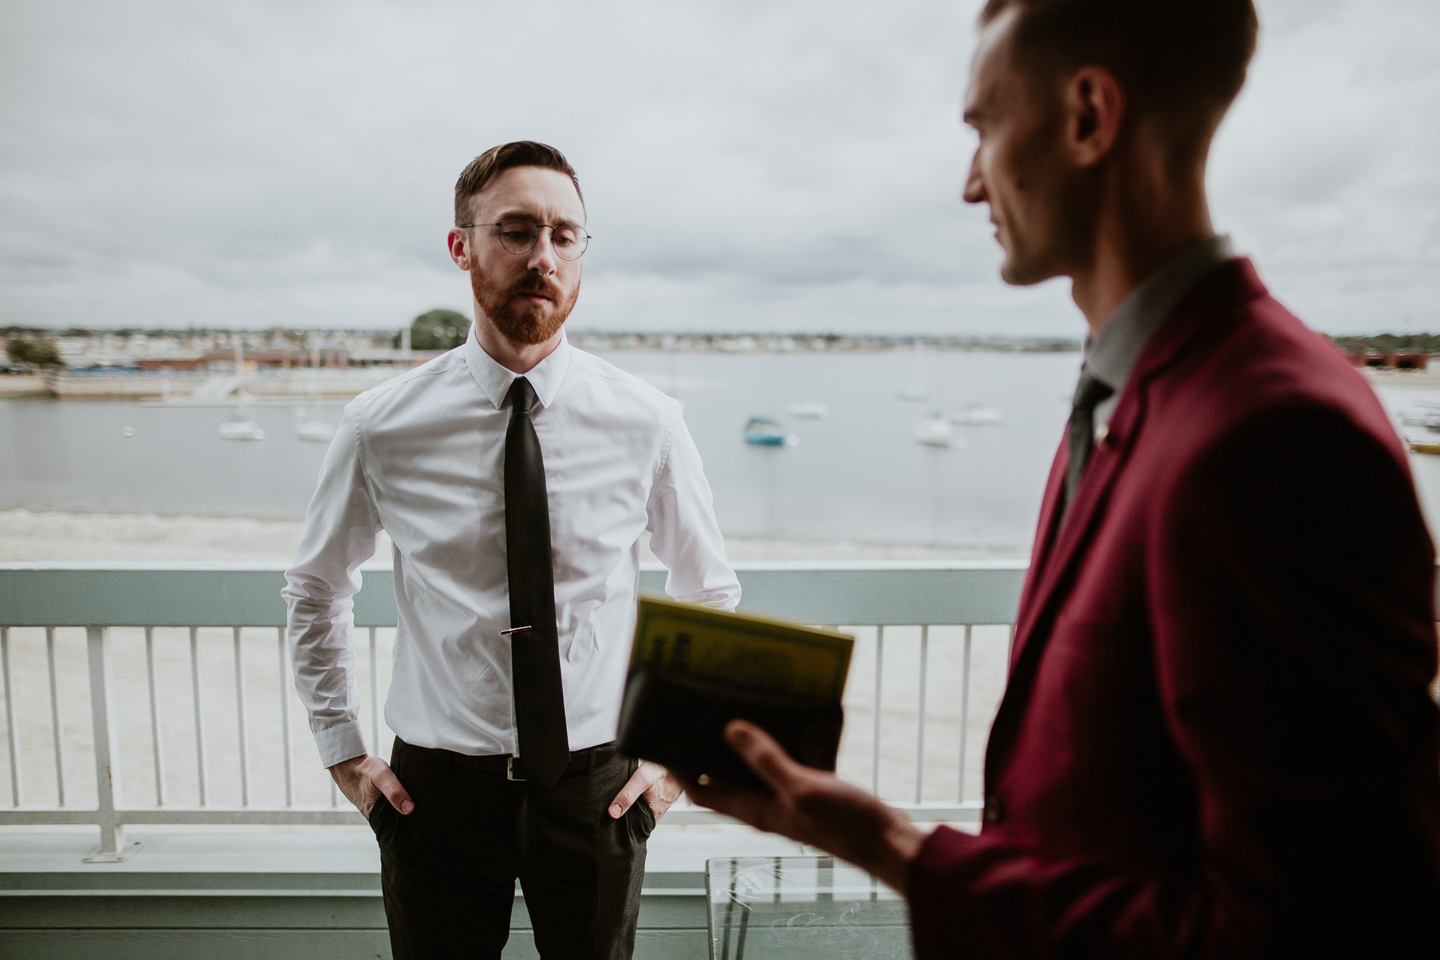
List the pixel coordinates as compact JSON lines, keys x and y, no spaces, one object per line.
{"x":422,"y":457}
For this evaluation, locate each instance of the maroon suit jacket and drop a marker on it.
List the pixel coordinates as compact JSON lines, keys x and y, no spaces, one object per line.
{"x":1217,"y":738}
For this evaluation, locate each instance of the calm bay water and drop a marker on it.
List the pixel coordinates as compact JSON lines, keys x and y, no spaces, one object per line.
{"x":859,"y":475}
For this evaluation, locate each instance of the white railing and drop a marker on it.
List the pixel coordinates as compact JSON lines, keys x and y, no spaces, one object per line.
{"x":146,"y":648}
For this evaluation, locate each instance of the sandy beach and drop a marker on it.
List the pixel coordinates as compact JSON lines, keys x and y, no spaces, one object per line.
{"x":43,"y":536}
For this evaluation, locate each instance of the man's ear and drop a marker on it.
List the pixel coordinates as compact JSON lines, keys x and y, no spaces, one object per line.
{"x":459,"y":243}
{"x":1095,"y":108}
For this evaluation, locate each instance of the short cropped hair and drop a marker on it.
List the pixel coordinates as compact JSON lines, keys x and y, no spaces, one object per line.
{"x":495,"y":161}
{"x":1176,"y":58}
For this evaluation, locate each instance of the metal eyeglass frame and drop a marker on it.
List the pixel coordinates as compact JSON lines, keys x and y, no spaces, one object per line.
{"x":584,"y":244}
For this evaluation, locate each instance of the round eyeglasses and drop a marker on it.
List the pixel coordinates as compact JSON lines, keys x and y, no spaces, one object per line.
{"x":519,"y":235}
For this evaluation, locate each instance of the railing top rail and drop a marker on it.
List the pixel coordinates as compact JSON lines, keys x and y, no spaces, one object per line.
{"x":649,"y":566}
{"x":248,"y":594}
{"x":162,"y":566}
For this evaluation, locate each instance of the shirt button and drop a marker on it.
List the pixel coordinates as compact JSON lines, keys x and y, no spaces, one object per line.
{"x":994,"y":811}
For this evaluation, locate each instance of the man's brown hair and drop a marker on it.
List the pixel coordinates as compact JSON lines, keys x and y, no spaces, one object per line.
{"x":1184,"y":60}
{"x":490,"y":164}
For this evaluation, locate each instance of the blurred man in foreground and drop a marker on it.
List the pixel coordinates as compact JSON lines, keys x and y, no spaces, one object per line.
{"x":1217,"y":738}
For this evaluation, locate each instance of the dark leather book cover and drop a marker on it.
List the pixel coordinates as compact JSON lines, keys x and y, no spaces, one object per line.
{"x":693,"y":670}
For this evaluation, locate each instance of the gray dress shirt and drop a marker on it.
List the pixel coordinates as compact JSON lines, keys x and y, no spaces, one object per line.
{"x":1110,"y":356}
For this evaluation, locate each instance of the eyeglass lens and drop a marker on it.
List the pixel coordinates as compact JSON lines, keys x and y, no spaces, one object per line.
{"x":519,"y":235}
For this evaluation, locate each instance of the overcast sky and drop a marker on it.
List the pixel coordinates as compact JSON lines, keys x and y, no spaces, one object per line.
{"x":747,"y":165}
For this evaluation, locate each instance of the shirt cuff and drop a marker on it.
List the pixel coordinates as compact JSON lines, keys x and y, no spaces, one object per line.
{"x":339,"y":743}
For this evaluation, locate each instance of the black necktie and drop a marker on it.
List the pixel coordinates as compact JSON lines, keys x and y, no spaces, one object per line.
{"x":535,"y":652}
{"x":1080,"y":438}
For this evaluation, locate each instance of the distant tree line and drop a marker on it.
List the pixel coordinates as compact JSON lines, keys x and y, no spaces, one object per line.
{"x":34,"y":354}
{"x":1390,"y":343}
{"x":436,"y":330}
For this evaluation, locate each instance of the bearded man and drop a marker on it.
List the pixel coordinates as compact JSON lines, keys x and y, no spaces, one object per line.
{"x":515,"y":476}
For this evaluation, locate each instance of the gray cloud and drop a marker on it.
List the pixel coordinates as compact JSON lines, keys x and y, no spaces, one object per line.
{"x":747,"y":165}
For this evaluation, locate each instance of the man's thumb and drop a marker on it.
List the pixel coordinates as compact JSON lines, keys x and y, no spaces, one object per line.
{"x":758,"y":749}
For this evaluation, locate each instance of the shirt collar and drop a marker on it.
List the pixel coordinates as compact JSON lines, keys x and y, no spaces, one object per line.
{"x":1111,"y":355}
{"x":494,"y":380}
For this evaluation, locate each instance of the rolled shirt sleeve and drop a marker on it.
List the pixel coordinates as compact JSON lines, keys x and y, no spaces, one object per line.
{"x":684,"y":534}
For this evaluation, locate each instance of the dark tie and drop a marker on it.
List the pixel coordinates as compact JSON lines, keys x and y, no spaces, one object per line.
{"x":1080,"y":438}
{"x":535,"y":652}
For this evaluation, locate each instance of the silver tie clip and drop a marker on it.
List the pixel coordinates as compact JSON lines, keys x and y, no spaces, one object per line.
{"x":506,"y":633}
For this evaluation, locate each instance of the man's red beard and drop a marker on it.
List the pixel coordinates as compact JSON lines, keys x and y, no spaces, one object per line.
{"x":517,"y":319}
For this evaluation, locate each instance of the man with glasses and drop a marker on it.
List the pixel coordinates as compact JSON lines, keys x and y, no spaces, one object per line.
{"x":515,"y":476}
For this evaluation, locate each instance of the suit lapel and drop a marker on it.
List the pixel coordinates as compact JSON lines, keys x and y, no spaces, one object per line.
{"x":1072,"y":530}
{"x":1051,"y":509}
{"x":1063,"y":540}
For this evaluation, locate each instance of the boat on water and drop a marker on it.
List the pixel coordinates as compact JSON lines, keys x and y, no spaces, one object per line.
{"x":936,"y":431}
{"x":1430,"y":420}
{"x":316,"y":431}
{"x":766,"y":432}
{"x":1425,"y":445}
{"x":239,"y":426}
{"x":809,"y":410}
{"x":977,"y":415}
{"x":240,"y":430}
{"x":917,"y":392}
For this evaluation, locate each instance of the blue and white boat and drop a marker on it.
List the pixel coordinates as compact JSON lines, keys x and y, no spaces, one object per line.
{"x":766,"y":432}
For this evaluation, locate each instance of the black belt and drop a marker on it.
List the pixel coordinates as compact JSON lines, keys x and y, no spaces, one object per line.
{"x":513,"y":768}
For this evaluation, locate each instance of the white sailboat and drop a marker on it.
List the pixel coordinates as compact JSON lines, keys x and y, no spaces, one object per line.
{"x":240,"y":430}
{"x":809,"y":410}
{"x":917,"y":391}
{"x":316,"y":431}
{"x":240,"y":427}
{"x":936,"y":431}
{"x":977,"y":415}
{"x":322,"y":431}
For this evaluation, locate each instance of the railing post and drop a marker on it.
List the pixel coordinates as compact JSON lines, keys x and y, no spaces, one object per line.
{"x":57,"y":727}
{"x":374,"y":699}
{"x":157,"y":740}
{"x":964,"y":716}
{"x":12,"y":733}
{"x":107,"y":750}
{"x":920,"y":716}
{"x":285,"y":682}
{"x":202,"y":768}
{"x":240,"y":716}
{"x":875,"y":743}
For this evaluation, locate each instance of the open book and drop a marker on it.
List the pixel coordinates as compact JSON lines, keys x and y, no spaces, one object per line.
{"x":693,"y":670}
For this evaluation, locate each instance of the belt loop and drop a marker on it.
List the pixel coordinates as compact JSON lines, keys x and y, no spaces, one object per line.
{"x":591,"y":767}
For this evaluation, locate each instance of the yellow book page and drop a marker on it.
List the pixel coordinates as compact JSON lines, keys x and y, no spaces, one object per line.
{"x":765,"y":654}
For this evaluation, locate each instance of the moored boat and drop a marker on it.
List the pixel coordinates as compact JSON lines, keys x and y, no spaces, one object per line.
{"x":1427,"y":445}
{"x":240,"y":430}
{"x":977,"y":415}
{"x":766,"y":432}
{"x":809,"y":410}
{"x":936,"y":431}
{"x":316,"y":431}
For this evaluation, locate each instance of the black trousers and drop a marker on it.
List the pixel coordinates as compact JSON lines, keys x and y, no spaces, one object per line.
{"x":448,"y":869}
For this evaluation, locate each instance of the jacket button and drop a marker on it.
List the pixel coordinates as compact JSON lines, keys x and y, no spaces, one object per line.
{"x":994,"y":811}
